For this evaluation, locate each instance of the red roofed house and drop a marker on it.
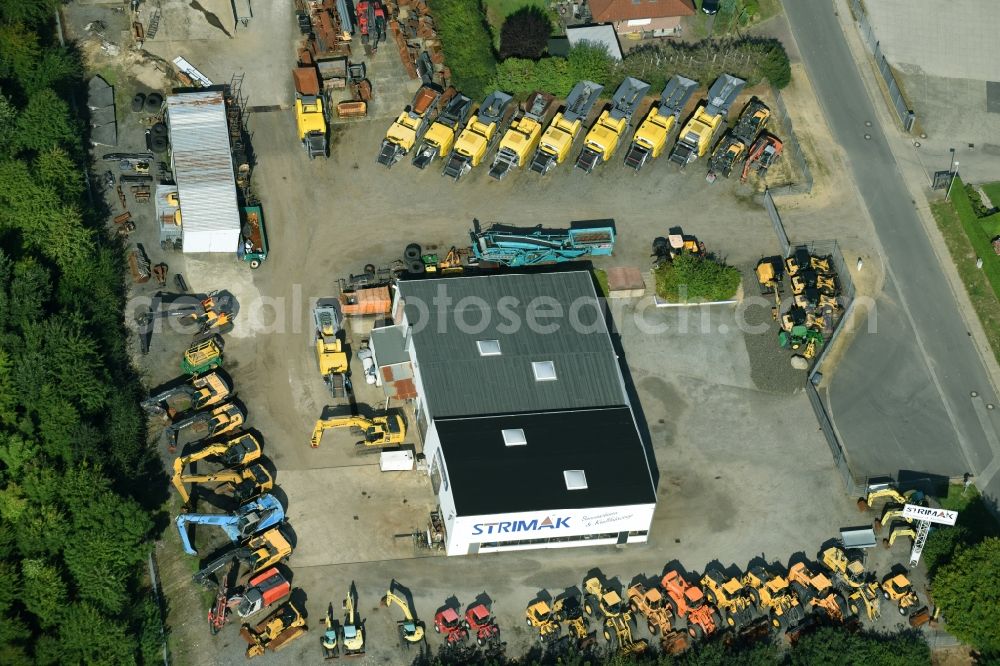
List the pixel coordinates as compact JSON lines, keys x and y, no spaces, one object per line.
{"x":660,"y":17}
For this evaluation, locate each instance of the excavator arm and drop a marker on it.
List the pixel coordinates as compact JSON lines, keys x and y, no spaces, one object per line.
{"x":255,"y":476}
{"x":322,"y":425}
{"x":253,"y":517}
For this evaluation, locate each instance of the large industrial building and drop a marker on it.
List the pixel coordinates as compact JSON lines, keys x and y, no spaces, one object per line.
{"x":529,"y":434}
{"x":202,"y":163}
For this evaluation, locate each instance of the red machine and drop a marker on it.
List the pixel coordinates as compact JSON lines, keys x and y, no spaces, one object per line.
{"x":764,"y":152}
{"x":481,"y":622}
{"x":371,"y":21}
{"x":263,"y":590}
{"x":448,"y":622}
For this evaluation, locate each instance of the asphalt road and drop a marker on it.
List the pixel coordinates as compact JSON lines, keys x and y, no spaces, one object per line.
{"x":901,"y":397}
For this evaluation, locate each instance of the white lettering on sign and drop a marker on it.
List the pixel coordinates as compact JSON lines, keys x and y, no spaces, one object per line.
{"x":943,"y":516}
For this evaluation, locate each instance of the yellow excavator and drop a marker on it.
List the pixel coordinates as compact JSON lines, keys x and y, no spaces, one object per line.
{"x":897,"y":530}
{"x":887,"y":491}
{"x":384,"y":430}
{"x":235,"y":451}
{"x":241,"y":484}
{"x":411,"y":630}
{"x":350,"y":635}
{"x":255,"y":555}
{"x":197,"y":393}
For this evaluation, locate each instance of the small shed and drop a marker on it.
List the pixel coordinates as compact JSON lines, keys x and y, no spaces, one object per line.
{"x":395,"y":372}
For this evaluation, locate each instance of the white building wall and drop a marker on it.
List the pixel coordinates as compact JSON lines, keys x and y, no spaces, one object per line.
{"x":540,"y":526}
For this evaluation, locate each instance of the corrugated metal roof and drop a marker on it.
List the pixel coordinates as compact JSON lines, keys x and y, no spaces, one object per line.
{"x":458,"y":381}
{"x":203,"y":163}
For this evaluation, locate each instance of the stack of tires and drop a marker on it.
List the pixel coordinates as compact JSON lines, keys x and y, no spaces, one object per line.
{"x":412,"y":259}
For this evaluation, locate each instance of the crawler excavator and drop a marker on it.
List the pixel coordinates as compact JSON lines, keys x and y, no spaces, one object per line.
{"x":556,"y":141}
{"x":816,"y":591}
{"x":383,"y":430}
{"x":730,"y":596}
{"x":521,"y":140}
{"x":408,"y":129}
{"x":887,"y":491}
{"x":275,"y":632}
{"x":348,"y":636}
{"x":411,"y":630}
{"x":242,"y":449}
{"x":695,"y":138}
{"x":481,"y":134}
{"x":890,"y":512}
{"x":253,"y":517}
{"x":603,"y":138}
{"x":774,"y":597}
{"x":201,"y":426}
{"x":900,"y":529}
{"x":440,"y":138}
{"x":650,"y":139}
{"x":197,"y":393}
{"x":688,"y":601}
{"x":764,"y":152}
{"x":256,"y":554}
{"x":241,"y":483}
{"x":861,"y":592}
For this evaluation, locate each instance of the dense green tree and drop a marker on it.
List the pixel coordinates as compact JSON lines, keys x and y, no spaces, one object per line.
{"x":57,"y":171}
{"x":27,"y":11}
{"x":44,"y":591}
{"x":525,"y":33}
{"x":45,"y":123}
{"x":941,"y":545}
{"x":29,"y":289}
{"x":591,"y":62}
{"x":87,"y":636}
{"x":832,"y":646}
{"x":8,"y":125}
{"x":966,"y":592}
{"x":467,"y":45}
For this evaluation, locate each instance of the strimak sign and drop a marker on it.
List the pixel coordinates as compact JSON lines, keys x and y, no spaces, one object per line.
{"x":943,"y":516}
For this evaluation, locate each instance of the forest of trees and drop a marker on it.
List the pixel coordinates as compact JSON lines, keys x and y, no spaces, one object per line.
{"x":80,"y":490}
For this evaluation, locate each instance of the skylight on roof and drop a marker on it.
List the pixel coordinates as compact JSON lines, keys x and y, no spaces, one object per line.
{"x":514,"y":437}
{"x":576,"y":479}
{"x":545,"y":371}
{"x":488,"y":347}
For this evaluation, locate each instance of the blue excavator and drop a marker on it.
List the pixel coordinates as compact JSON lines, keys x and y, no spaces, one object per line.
{"x":253,"y":517}
{"x":507,"y":245}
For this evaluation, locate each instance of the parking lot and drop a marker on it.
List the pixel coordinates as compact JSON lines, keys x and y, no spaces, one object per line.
{"x":743,"y":470}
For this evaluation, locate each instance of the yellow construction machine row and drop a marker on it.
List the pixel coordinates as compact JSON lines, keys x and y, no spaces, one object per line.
{"x":446,"y":125}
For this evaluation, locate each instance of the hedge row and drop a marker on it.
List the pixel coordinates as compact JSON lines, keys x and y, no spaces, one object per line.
{"x":467,"y":45}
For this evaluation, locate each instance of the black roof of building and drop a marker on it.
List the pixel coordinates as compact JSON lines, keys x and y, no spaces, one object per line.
{"x":489,"y":477}
{"x":458,"y":381}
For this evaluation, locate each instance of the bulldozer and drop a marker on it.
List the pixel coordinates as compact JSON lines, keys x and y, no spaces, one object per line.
{"x":730,"y":596}
{"x":409,"y":127}
{"x":378,"y":431}
{"x":241,"y":484}
{"x":650,"y":603}
{"x":411,"y":630}
{"x":898,"y":589}
{"x":650,"y":138}
{"x":256,"y":554}
{"x":440,"y":138}
{"x":275,"y":631}
{"x":330,"y":355}
{"x":197,"y":393}
{"x":816,"y":591}
{"x":603,"y":138}
{"x":773,"y":596}
{"x":481,"y":134}
{"x":695,"y":138}
{"x":202,"y":356}
{"x":558,"y":138}
{"x":242,"y":449}
{"x":521,"y":140}
{"x":688,"y":601}
{"x":253,"y":517}
{"x":348,"y":636}
{"x":850,"y":574}
{"x":203,"y":425}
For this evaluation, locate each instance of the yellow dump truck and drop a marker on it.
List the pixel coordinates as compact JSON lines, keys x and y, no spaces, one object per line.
{"x":650,"y":139}
{"x":408,"y":129}
{"x":695,"y":139}
{"x":521,"y":140}
{"x":310,"y":116}
{"x":603,"y":138}
{"x":480,"y":135}
{"x":440,"y":138}
{"x":558,"y":138}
